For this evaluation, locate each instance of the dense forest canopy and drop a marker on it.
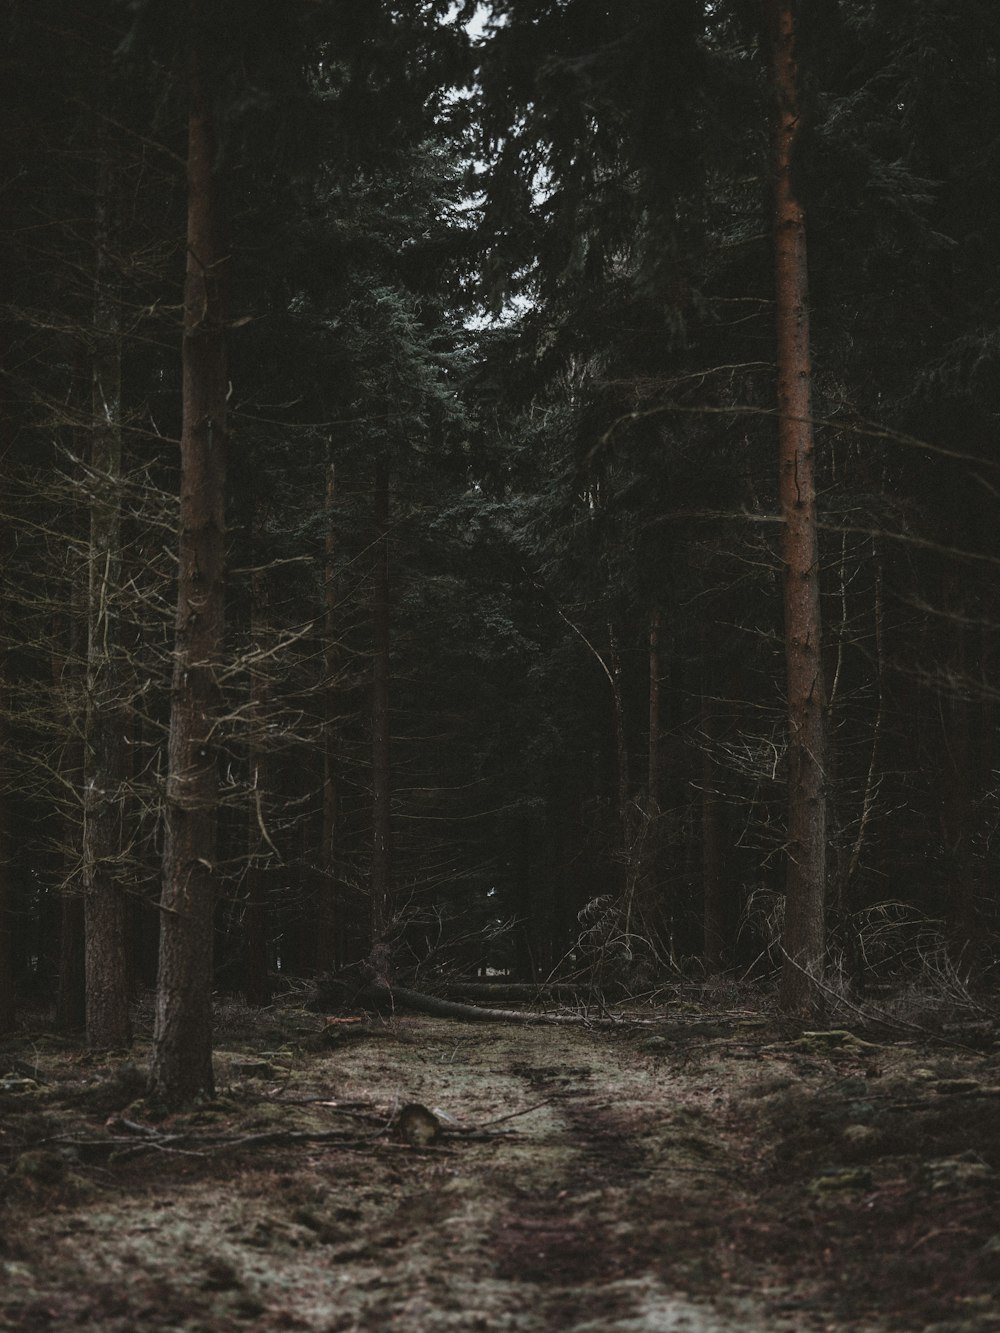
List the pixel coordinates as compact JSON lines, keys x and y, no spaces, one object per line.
{"x":499,"y":487}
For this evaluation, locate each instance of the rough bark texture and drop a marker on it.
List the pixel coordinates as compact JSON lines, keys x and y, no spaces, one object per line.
{"x":381,"y":868}
{"x":106,"y":905}
{"x":805,"y":882}
{"x":181,"y":1065}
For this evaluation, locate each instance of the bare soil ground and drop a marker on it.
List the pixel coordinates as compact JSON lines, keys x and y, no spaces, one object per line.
{"x":698,"y":1172}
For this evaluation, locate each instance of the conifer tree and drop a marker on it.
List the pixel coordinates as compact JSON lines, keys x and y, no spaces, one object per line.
{"x":181,"y":1063}
{"x":803,"y":938}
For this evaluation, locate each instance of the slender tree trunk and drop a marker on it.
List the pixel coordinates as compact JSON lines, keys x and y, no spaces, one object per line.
{"x":381,"y":864}
{"x":623,"y":778}
{"x":957,"y":771}
{"x":68,"y":635}
{"x":713,"y":907}
{"x":7,"y":995}
{"x":330,"y":937}
{"x":181,"y":1065}
{"x":106,"y":914}
{"x":805,"y":881}
{"x":260,"y":851}
{"x":655,"y":724}
{"x":652,"y":909}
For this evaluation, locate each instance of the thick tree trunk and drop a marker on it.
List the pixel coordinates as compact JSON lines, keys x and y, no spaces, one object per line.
{"x":106,"y":914}
{"x":181,"y":1065}
{"x":805,"y":882}
{"x":381,"y":864}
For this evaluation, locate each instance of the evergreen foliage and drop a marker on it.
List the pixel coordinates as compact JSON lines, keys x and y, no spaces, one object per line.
{"x":528,"y":274}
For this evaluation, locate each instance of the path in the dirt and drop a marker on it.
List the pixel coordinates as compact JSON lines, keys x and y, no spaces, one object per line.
{"x":657,"y":1184}
{"x":604,"y":1209}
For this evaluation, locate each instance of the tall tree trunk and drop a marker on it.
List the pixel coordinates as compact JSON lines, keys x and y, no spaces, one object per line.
{"x":713,"y":905}
{"x":623,"y":779}
{"x":7,"y":995}
{"x":655,"y":724}
{"x":181,"y":1065}
{"x":381,"y":864}
{"x":330,"y":950}
{"x":652,"y":909}
{"x":260,"y":849}
{"x":805,"y":880}
{"x":106,"y":907}
{"x":957,"y":771}
{"x":68,"y":655}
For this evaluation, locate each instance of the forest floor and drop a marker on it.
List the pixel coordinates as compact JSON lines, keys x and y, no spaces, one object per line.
{"x":697,"y":1172}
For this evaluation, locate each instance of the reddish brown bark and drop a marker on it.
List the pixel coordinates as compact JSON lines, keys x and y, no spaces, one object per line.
{"x":181,"y":1065}
{"x":805,"y":879}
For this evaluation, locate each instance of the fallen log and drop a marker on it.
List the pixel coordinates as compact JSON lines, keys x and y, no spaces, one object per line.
{"x":401,"y":997}
{"x":514,"y":992}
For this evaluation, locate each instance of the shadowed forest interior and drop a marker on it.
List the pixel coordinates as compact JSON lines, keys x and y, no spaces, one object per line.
{"x":501,"y":491}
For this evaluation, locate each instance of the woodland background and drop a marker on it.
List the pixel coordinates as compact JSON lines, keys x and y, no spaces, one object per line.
{"x":502,"y":676}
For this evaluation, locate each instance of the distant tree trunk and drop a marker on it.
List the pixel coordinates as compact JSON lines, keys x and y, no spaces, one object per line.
{"x":181,"y":1065}
{"x":655,"y":725}
{"x":621,"y":749}
{"x":7,"y":995}
{"x":957,"y":770}
{"x":71,"y":983}
{"x":330,"y":951}
{"x":805,"y":881}
{"x":260,"y":851}
{"x":381,"y":863}
{"x":106,"y":906}
{"x":653,"y":910}
{"x":67,"y":655}
{"x":713,"y":910}
{"x":623,"y":779}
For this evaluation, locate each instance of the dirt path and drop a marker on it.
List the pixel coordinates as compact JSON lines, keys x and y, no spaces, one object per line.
{"x":700,"y":1176}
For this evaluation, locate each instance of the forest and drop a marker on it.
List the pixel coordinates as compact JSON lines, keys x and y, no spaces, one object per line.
{"x":499,"y":802}
{"x":495,"y":491}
